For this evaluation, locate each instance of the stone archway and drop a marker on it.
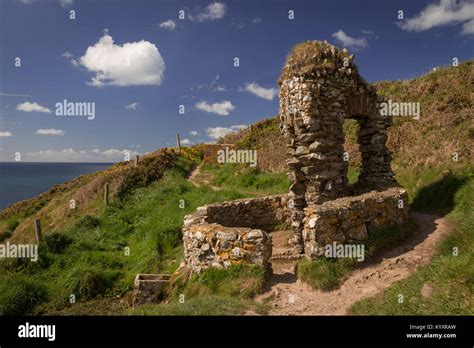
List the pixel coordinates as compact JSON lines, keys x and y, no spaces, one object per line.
{"x":320,"y":87}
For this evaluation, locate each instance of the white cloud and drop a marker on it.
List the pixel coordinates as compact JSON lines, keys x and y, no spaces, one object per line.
{"x":66,"y":3}
{"x":213,"y":85}
{"x":168,"y":25}
{"x":50,"y":131}
{"x":257,"y":20}
{"x":264,"y":93}
{"x":223,"y":108}
{"x":15,"y":95}
{"x":468,"y":28}
{"x":67,"y":55}
{"x":348,"y":41}
{"x":132,"y":106}
{"x":186,"y":142}
{"x":72,"y":155}
{"x":217,"y":132}
{"x":6,"y":134}
{"x":445,"y":12}
{"x":131,"y":64}
{"x":194,"y":133}
{"x":213,"y":11}
{"x":32,"y":107}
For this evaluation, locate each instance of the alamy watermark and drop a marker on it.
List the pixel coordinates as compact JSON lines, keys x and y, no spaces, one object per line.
{"x":391,"y":108}
{"x":336,"y":250}
{"x":237,"y":156}
{"x":85,"y":109}
{"x":25,"y":251}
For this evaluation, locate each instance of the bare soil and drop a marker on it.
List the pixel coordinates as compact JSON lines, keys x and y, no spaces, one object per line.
{"x":289,"y":296}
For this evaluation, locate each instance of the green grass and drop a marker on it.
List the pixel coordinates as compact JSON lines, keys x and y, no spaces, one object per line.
{"x":18,"y":294}
{"x":450,"y":277}
{"x":240,"y":281}
{"x":322,"y":273}
{"x":247,"y":179}
{"x":329,"y":273}
{"x":432,"y":189}
{"x":213,"y":292}
{"x":205,"y":305}
{"x":98,"y":258}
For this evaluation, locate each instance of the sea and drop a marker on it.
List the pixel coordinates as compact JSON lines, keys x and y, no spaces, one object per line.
{"x":22,"y":180}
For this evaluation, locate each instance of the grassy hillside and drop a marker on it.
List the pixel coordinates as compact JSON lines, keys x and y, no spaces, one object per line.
{"x":94,"y":251}
{"x":97,"y":256}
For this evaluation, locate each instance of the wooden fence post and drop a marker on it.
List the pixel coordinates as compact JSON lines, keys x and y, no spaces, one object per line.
{"x":179,"y":142}
{"x":106,"y":194}
{"x":39,"y":237}
{"x":137,"y":158}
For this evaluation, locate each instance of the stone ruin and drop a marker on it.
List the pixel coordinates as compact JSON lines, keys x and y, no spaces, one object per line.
{"x":320,"y":88}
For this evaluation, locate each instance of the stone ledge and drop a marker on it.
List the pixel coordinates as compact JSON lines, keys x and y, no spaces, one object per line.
{"x":149,"y":288}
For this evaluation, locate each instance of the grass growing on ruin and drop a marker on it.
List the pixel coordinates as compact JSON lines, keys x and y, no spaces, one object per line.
{"x":328,"y":273}
{"x":444,"y":287}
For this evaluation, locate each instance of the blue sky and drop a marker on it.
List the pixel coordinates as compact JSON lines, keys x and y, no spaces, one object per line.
{"x":137,"y":61}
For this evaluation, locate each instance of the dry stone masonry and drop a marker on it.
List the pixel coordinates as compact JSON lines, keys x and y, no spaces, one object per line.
{"x":320,"y":88}
{"x":348,"y":219}
{"x":219,"y":235}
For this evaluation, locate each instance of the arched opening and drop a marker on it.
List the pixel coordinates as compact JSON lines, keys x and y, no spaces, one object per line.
{"x":352,"y":153}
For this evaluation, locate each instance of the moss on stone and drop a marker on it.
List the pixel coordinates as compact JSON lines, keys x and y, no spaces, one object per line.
{"x":309,"y":56}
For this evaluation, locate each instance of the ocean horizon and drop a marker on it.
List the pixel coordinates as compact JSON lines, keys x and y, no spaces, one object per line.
{"x":24,"y":180}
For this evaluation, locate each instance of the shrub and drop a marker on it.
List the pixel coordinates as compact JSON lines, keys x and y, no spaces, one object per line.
{"x":12,"y":224}
{"x":87,"y":222}
{"x":19,"y":295}
{"x":57,"y":242}
{"x":85,"y":283}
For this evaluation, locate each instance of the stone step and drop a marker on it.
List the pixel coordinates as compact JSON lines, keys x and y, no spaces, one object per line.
{"x":286,"y":256}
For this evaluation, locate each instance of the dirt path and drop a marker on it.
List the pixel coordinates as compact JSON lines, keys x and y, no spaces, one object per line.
{"x":290,"y":296}
{"x":197,"y":178}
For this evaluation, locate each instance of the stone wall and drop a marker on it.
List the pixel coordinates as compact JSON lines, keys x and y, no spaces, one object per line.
{"x":264,"y":213}
{"x":219,"y":235}
{"x":350,"y":219}
{"x":320,"y":87}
